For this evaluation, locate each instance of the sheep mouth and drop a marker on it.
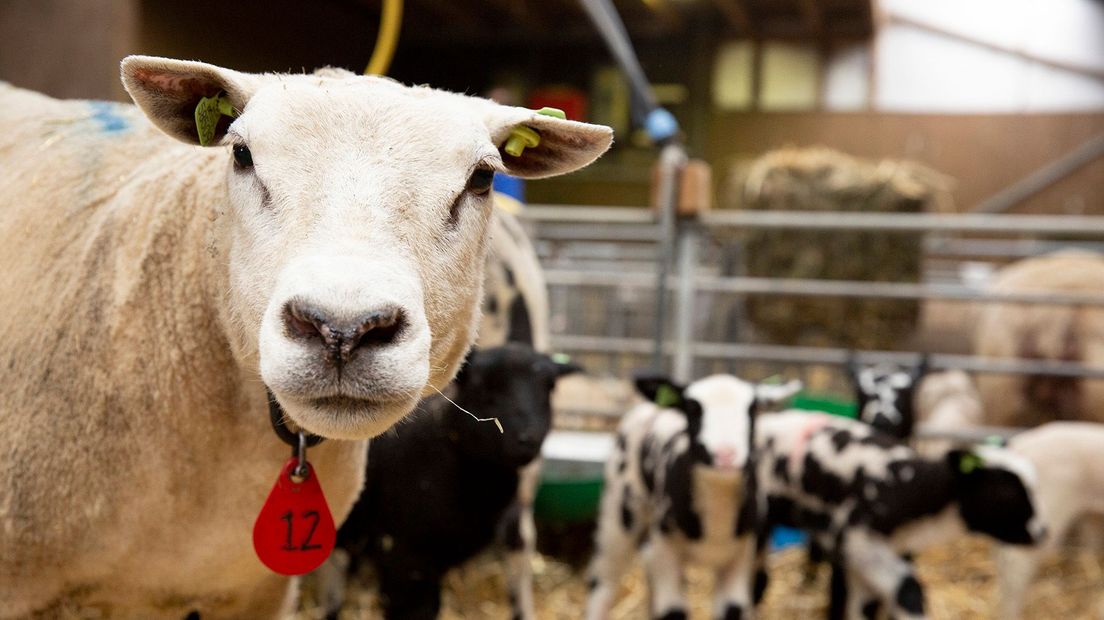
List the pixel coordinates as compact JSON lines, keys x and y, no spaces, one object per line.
{"x":349,"y":404}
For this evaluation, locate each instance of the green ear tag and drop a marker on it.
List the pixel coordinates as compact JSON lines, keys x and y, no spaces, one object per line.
{"x":666,"y":396}
{"x":561,"y":358}
{"x":969,"y":462}
{"x":522,"y":137}
{"x":207,"y":114}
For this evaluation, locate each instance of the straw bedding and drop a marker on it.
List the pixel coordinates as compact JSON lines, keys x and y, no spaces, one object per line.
{"x":959,"y":580}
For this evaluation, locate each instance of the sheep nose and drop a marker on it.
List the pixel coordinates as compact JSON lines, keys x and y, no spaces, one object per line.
{"x":340,"y":337}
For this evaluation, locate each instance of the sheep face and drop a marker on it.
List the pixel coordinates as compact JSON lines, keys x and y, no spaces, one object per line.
{"x":354,"y":228}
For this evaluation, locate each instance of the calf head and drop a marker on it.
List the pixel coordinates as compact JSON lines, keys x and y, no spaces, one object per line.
{"x":353,"y":231}
{"x":996,"y":494}
{"x":512,"y":383}
{"x":720,"y":412}
{"x":885,"y":395}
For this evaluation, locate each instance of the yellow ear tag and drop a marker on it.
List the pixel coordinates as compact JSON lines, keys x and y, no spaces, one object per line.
{"x":207,"y":114}
{"x":522,"y":137}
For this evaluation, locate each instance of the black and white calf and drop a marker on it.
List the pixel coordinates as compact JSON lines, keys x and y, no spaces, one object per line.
{"x":885,"y":395}
{"x":678,"y":486}
{"x":443,"y":487}
{"x":867,"y":498}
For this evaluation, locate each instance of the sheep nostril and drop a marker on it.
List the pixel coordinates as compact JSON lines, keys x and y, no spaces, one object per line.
{"x":302,"y":322}
{"x":379,"y":327}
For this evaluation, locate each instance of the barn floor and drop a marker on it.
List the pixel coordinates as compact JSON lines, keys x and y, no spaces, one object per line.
{"x":959,"y":579}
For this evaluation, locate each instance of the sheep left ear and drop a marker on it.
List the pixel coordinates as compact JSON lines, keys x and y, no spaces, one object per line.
{"x":774,"y":393}
{"x":562,"y":146}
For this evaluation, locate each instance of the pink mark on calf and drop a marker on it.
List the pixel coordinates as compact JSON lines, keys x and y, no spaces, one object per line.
{"x":811,"y":426}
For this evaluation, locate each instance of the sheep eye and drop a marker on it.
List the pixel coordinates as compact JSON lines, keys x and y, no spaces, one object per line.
{"x":480,"y":181}
{"x":242,"y":157}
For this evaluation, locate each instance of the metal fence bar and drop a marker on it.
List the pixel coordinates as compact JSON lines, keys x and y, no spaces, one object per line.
{"x":827,"y":355}
{"x":821,"y":288}
{"x":1036,"y":225}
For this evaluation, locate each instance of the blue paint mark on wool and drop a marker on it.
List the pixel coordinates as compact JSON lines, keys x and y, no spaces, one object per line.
{"x":107,"y":115}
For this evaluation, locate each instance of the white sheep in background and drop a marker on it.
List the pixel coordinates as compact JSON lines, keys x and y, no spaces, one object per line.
{"x":1069,"y":462}
{"x":328,"y":243}
{"x":1043,"y":332}
{"x":946,"y":402}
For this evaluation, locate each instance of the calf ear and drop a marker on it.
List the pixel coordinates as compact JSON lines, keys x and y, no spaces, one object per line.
{"x":567,"y":368}
{"x":774,"y":393}
{"x":659,"y":390}
{"x":851,"y":367}
{"x":564,"y":146}
{"x":168,"y":91}
{"x":963,"y":462}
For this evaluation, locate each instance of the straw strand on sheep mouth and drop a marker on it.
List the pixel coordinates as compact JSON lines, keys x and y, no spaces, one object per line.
{"x":474,"y":417}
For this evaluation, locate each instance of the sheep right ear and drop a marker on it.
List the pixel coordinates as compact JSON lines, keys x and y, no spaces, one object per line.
{"x":659,"y":390}
{"x":561,"y":146}
{"x":168,"y":92}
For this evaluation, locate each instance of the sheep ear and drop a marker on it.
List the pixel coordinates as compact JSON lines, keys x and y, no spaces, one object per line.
{"x":168,"y":92}
{"x":659,"y":390}
{"x":774,"y":393}
{"x":562,"y":146}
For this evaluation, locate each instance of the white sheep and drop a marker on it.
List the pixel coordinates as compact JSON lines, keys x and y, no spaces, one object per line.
{"x":1043,"y":332}
{"x":1069,"y":461}
{"x":328,"y":244}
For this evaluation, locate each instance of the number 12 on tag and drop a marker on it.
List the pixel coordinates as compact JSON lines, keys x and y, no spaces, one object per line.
{"x":294,"y":532}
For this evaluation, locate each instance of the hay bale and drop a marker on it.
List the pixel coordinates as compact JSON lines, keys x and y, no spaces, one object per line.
{"x":821,"y":179}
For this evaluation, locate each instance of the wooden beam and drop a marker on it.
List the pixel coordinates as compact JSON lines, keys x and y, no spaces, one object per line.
{"x":736,"y":14}
{"x":813,"y":19}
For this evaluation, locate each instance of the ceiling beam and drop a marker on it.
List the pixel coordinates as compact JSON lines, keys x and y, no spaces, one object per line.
{"x":735,"y":13}
{"x":812,"y":18}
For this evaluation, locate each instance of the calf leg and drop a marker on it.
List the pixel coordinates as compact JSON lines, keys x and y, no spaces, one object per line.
{"x":665,"y":579}
{"x":734,"y":589}
{"x":1016,"y":564}
{"x":517,"y":534}
{"x":618,"y":527}
{"x":888,"y":577}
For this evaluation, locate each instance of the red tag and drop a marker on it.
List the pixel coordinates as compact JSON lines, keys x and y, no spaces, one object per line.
{"x":295,"y":531}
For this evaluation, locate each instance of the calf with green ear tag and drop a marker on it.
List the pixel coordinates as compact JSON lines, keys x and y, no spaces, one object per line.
{"x":869,"y":499}
{"x":167,"y":265}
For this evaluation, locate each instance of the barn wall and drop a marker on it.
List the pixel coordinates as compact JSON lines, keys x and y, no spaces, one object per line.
{"x":983,"y":153}
{"x":67,"y":48}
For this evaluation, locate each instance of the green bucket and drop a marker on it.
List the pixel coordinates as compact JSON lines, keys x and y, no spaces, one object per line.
{"x":828,"y":403}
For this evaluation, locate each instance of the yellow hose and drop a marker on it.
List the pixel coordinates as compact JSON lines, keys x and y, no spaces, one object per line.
{"x":390,"y":21}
